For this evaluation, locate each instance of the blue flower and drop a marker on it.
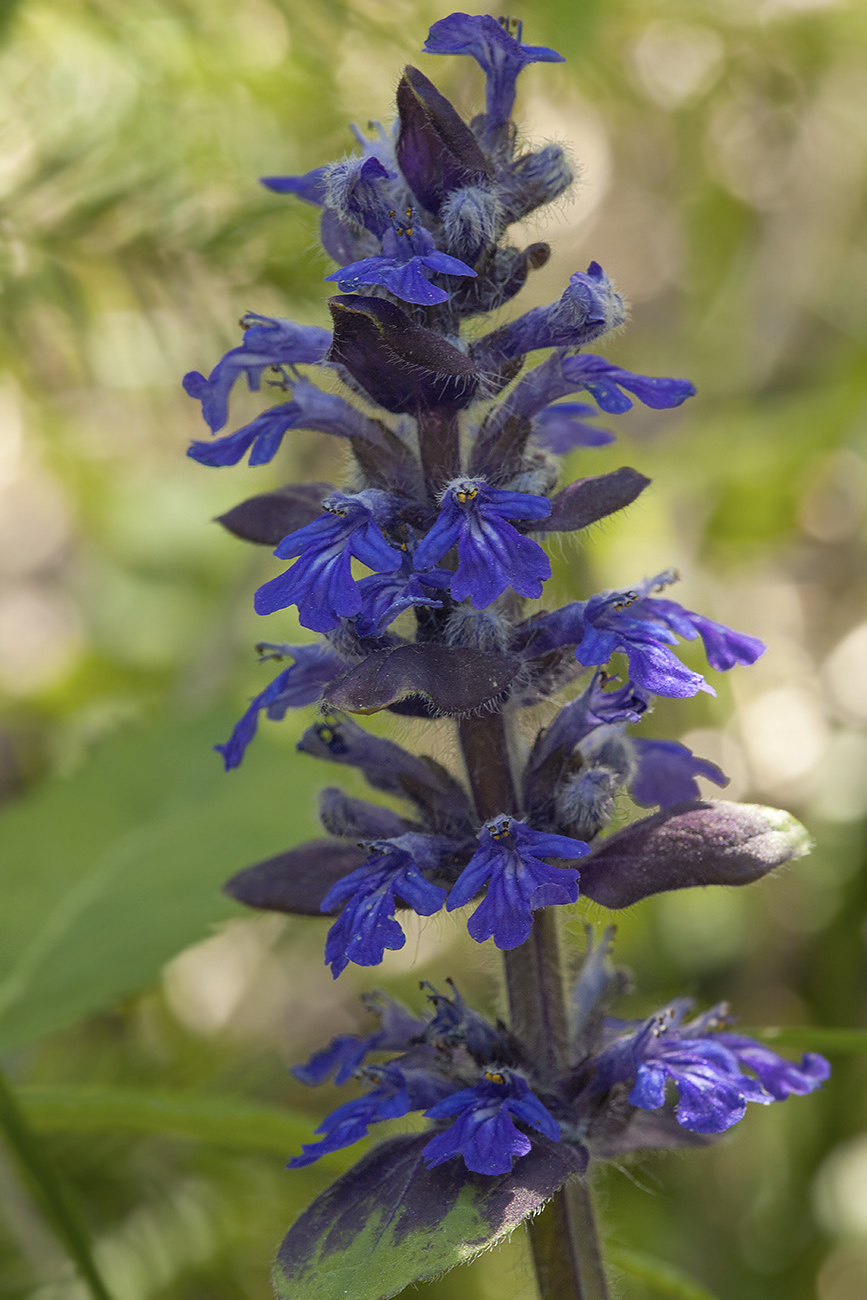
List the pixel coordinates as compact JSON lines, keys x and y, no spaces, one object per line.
{"x":554,"y":794}
{"x":386,"y":595}
{"x":779,"y":1077}
{"x":595,"y":707}
{"x":510,"y":863}
{"x":634,"y":623}
{"x":606,"y":382}
{"x":496,"y":47}
{"x":723,"y":646}
{"x":608,"y":628}
{"x":649,"y":628}
{"x":563,"y":427}
{"x":600,"y":627}
{"x":705,"y":1066}
{"x":408,"y":255}
{"x":492,"y":555}
{"x":358,"y":190}
{"x":366,"y":926}
{"x":457,"y":1024}
{"x":356,"y":195}
{"x":588,"y":307}
{"x":345,"y":1054}
{"x":667,"y":773}
{"x":310,"y":408}
{"x":320,"y":582}
{"x":712,"y":1092}
{"x":267,"y":342}
{"x":483,"y":1131}
{"x":560,"y":374}
{"x":311,"y":187}
{"x":396,"y":1094}
{"x":314,"y":667}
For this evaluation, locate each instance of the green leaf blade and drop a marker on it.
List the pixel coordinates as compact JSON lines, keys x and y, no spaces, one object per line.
{"x":222,"y":1120}
{"x":658,"y":1276}
{"x":390,"y":1221}
{"x":811,"y":1038}
{"x":113,"y":871}
{"x":59,"y":1206}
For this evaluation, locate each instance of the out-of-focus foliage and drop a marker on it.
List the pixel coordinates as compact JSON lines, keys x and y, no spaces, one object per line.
{"x":724,"y":175}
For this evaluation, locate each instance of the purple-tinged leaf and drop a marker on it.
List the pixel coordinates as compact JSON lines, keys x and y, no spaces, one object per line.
{"x":268,"y":518}
{"x":391,"y":466}
{"x":704,"y":842}
{"x":626,"y":1129}
{"x":498,"y":451}
{"x":390,"y":1221}
{"x":402,"y":366}
{"x":437,"y":151}
{"x":588,"y":500}
{"x":298,"y":880}
{"x":357,"y":819}
{"x":439,"y":797}
{"x":455,"y":679}
{"x":502,"y":272}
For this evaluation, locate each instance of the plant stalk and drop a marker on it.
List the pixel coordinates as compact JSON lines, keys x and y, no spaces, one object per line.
{"x":563,"y":1237}
{"x":439,"y":448}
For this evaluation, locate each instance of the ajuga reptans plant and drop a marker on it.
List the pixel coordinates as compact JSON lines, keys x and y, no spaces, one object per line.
{"x":456,"y":430}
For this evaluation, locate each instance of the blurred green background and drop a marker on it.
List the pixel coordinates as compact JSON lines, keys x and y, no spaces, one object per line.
{"x":148,"y":1022}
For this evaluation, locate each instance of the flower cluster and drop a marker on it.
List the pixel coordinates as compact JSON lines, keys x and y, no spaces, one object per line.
{"x":624,"y":1085}
{"x":415,"y":572}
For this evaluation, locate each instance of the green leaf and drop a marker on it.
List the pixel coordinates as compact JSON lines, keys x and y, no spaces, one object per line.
{"x":108,"y":874}
{"x":812,"y":1039}
{"x":660,"y":1277}
{"x":225,"y":1121}
{"x":58,"y":1206}
{"x":391,"y":1221}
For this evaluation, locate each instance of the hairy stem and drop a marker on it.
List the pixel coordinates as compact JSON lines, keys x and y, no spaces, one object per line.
{"x":565,"y":1247}
{"x":563,"y":1237}
{"x":534,"y":983}
{"x":439,"y":447}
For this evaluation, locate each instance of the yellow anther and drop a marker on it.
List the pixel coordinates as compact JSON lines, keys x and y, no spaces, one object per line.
{"x":409,"y":230}
{"x":493,"y":1076}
